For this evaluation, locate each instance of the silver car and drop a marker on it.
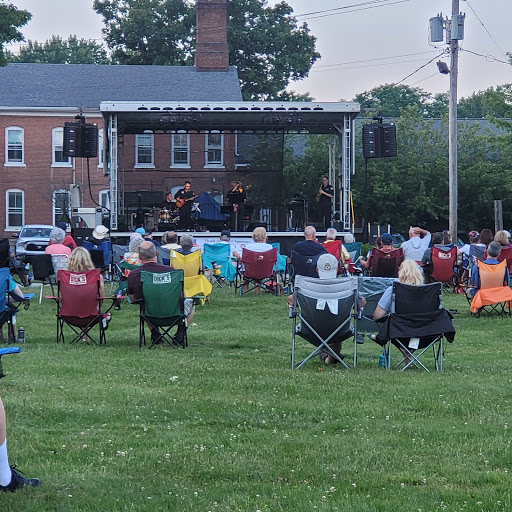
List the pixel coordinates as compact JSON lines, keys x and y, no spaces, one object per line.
{"x":33,"y":240}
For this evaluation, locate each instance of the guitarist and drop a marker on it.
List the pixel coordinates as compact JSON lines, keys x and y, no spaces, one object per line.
{"x":184,"y":198}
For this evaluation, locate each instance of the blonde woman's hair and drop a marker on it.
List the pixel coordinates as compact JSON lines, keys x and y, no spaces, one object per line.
{"x":410,"y":273}
{"x":259,"y":234}
{"x":501,"y":237}
{"x":80,"y":260}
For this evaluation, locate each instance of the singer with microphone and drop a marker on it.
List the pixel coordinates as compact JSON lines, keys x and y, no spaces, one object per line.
{"x":324,"y":198}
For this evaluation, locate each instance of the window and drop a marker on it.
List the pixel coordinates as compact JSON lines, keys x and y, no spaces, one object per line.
{"x":180,"y":149}
{"x":105,"y":199}
{"x":14,"y":139}
{"x":61,"y":206}
{"x":144,"y":150}
{"x":15,"y":209}
{"x":214,"y":149}
{"x":58,"y":158}
{"x":100,"y":148}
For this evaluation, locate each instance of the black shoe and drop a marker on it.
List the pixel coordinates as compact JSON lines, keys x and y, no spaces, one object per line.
{"x":17,"y":482}
{"x":156,"y":338}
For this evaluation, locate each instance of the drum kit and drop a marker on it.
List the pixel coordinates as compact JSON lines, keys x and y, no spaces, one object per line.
{"x":172,"y":217}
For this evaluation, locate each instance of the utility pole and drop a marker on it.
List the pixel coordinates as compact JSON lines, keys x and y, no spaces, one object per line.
{"x":452,"y":126}
{"x":454,"y":33}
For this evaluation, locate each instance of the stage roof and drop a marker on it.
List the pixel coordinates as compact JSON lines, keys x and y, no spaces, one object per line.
{"x":252,"y":117}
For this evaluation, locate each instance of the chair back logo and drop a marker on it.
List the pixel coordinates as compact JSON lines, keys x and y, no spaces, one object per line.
{"x":163,"y":278}
{"x":445,"y":255}
{"x":77,"y":279}
{"x":260,"y":257}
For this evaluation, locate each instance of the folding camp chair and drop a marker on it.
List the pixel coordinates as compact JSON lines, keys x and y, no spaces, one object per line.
{"x":371,"y":288}
{"x":219,"y":254}
{"x":78,"y":305}
{"x":196,"y":285}
{"x":322,"y":315}
{"x":7,"y":262}
{"x":416,"y":322}
{"x":494,"y":293}
{"x":256,"y":270}
{"x":4,"y":352}
{"x":280,"y":268}
{"x":44,"y":273}
{"x":506,"y":254}
{"x":354,"y":250}
{"x":164,"y":255}
{"x":334,"y":247}
{"x":303,"y":265}
{"x":162,"y":308}
{"x":9,"y":305}
{"x":385,"y":263}
{"x":443,"y":266}
{"x":101,"y":254}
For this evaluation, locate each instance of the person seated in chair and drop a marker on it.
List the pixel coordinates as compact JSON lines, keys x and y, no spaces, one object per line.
{"x":148,"y":256}
{"x":259,"y":244}
{"x":10,"y":479}
{"x":331,"y":244}
{"x":327,"y":268}
{"x":57,"y":236}
{"x":68,"y":239}
{"x":493,"y":251}
{"x":502,"y":237}
{"x":418,"y":243}
{"x":426,"y":259}
{"x":309,"y":246}
{"x":408,"y":273}
{"x":387,"y":246}
{"x":170,"y":240}
{"x":15,"y":295}
{"x":186,"y":245}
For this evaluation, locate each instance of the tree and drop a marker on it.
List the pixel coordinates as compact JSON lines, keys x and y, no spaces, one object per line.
{"x":266,"y":43}
{"x":11,"y":18}
{"x":491,"y":102}
{"x":58,"y":51}
{"x":388,"y":100}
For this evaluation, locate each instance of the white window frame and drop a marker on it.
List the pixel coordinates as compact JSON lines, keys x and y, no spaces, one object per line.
{"x":139,"y":146}
{"x":214,"y":147}
{"x":100,"y":147}
{"x":15,"y":210}
{"x":182,"y":165}
{"x":55,"y":209}
{"x":9,"y":163}
{"x":56,"y":147}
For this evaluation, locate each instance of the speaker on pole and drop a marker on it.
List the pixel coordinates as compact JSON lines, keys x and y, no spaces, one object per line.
{"x":80,"y":140}
{"x":379,"y":140}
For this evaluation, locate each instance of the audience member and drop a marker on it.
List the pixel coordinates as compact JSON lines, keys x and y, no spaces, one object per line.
{"x":493,"y":252}
{"x":335,"y":247}
{"x":486,"y":237}
{"x":170,"y":240}
{"x":10,"y":479}
{"x":132,"y":256}
{"x":149,"y":236}
{"x":387,"y":246}
{"x":309,"y":246}
{"x":148,"y":256}
{"x":68,"y":239}
{"x":57,"y":236}
{"x":418,"y":243}
{"x":187,"y":245}
{"x":426,"y":260}
{"x":502,"y":237}
{"x":99,"y":235}
{"x":408,"y":273}
{"x":259,"y":244}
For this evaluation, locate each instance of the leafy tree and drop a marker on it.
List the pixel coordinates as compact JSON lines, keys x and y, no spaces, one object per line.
{"x":266,"y":43}
{"x":11,"y":18}
{"x":58,"y":51}
{"x":389,"y":100}
{"x":491,"y":102}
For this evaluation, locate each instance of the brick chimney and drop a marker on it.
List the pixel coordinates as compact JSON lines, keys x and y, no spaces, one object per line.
{"x":212,"y":37}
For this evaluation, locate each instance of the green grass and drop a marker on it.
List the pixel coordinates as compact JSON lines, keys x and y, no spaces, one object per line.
{"x":226,"y":425}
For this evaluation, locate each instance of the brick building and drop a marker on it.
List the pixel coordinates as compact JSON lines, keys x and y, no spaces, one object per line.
{"x":38,"y":183}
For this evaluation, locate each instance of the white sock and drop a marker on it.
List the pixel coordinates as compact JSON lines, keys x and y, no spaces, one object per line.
{"x":5,"y":470}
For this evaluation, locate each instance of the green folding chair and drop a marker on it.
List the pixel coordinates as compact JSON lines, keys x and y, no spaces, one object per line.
{"x":162,"y":308}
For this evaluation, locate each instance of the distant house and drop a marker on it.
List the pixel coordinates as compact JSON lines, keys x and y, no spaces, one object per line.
{"x":39,"y":183}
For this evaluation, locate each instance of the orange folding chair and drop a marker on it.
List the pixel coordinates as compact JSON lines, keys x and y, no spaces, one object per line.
{"x":494,"y":294}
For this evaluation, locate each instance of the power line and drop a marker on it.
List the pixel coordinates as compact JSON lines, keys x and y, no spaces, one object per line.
{"x":367,"y":65}
{"x":485,"y":28}
{"x":489,"y":58}
{"x":421,"y":67}
{"x":370,"y":2}
{"x":371,"y":60}
{"x":353,"y":10}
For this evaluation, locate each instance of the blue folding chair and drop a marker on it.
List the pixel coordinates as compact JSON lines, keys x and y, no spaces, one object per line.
{"x":219,"y":253}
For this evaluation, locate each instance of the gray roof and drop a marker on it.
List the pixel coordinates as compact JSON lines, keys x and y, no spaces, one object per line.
{"x":87,"y":85}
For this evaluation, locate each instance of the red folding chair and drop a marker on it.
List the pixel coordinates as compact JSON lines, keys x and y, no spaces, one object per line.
{"x":443,"y":265}
{"x":257,"y":271}
{"x":78,"y":305}
{"x":506,"y":254}
{"x":385,"y":263}
{"x":334,"y":247}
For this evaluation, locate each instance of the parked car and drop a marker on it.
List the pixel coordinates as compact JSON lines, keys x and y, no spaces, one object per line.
{"x":33,"y":240}
{"x":398,"y":239}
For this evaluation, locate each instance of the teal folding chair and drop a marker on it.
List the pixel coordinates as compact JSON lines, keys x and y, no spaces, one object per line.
{"x":221,"y":255}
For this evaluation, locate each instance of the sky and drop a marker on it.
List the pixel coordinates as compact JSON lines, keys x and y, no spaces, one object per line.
{"x":379,"y":42}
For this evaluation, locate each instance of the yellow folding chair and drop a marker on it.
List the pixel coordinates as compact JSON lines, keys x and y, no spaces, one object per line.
{"x":196,"y":285}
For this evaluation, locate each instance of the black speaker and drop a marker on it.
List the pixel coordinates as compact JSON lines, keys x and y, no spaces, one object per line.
{"x":379,"y":140}
{"x":80,"y":140}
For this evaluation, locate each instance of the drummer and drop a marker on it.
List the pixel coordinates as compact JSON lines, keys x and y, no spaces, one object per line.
{"x":168,"y":203}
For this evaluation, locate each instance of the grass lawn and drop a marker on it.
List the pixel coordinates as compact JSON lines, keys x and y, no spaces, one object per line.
{"x":226,"y":425}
